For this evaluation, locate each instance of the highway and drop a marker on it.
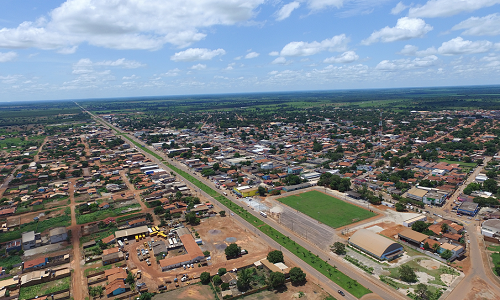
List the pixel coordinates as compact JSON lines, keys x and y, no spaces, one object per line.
{"x":359,"y":276}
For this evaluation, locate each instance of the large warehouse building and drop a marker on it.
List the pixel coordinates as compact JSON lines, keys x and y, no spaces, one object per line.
{"x":376,"y":245}
{"x":491,"y":227}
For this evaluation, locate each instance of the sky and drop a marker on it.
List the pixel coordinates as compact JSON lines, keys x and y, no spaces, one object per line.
{"x":120,"y":48}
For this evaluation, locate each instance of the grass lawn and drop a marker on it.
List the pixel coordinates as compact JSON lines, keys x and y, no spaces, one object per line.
{"x":103,"y":214}
{"x":46,"y":288}
{"x":414,"y":264}
{"x":461,"y":163}
{"x":326,"y":209}
{"x":494,"y":248}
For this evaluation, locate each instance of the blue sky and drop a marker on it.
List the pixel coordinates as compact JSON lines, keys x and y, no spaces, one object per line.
{"x":113,"y":48}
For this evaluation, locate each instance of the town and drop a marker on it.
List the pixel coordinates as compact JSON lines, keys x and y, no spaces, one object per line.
{"x":325,"y":200}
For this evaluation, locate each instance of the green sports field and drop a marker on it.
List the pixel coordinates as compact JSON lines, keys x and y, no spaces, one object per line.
{"x":326,"y":209}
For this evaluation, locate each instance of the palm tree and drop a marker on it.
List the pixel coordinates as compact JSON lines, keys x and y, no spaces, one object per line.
{"x":436,"y":247}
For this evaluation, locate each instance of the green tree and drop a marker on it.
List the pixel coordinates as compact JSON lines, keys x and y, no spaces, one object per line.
{"x":221,"y":271}
{"x":435,"y":247}
{"x":216,"y":280}
{"x":275,"y":256}
{"x":205,"y":277}
{"x":262,"y":190}
{"x":407,"y":274}
{"x":400,"y":207}
{"x":317,"y":146}
{"x":426,"y":246}
{"x":192,"y":219}
{"x":222,"y":213}
{"x":244,"y":279}
{"x":146,"y":296}
{"x":491,"y":174}
{"x":224,"y":286}
{"x":297,"y":275}
{"x":207,"y":172}
{"x":422,"y":292}
{"x":130,"y":278}
{"x":233,"y":250}
{"x":216,"y":166}
{"x":420,"y":226}
{"x":339,"y":248}
{"x":276,"y":279}
{"x":444,"y":228}
{"x":446,"y":254}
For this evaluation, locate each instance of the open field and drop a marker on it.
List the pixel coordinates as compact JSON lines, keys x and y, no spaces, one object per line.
{"x":461,"y":163}
{"x":45,"y":288}
{"x":326,"y":209}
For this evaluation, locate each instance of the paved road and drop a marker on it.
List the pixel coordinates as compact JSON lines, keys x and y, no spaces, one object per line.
{"x":477,"y":269}
{"x":371,"y":283}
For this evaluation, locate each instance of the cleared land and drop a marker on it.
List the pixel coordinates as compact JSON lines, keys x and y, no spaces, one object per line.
{"x":326,"y":209}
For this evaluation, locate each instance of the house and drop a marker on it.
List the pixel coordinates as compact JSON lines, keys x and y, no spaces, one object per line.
{"x":115,"y":287}
{"x":229,"y":278}
{"x":104,"y":205}
{"x":457,"y":250}
{"x":294,"y":170}
{"x":137,"y":222}
{"x":14,"y":245}
{"x":112,"y":258}
{"x":35,"y":263}
{"x":30,"y":240}
{"x":109,"y":240}
{"x":58,"y":234}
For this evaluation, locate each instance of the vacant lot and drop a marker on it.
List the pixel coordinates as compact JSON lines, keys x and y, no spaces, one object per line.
{"x":326,"y":209}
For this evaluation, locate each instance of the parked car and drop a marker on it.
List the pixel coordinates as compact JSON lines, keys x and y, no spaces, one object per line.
{"x":341,"y":293}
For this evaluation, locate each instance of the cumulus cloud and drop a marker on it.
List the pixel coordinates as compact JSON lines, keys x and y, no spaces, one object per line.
{"x":68,"y":50}
{"x":286,"y":10}
{"x":132,"y":77}
{"x":316,"y":5}
{"x":7,"y":56}
{"x":279,"y":61}
{"x":405,"y":29}
{"x":127,"y":24}
{"x":193,"y":54}
{"x":171,"y":73}
{"x":122,"y":62}
{"x":252,"y":55}
{"x":407,"y":64}
{"x":274,"y":53}
{"x":412,"y":50}
{"x":459,"y":46}
{"x":398,"y":8}
{"x":199,"y":67}
{"x":337,"y":43}
{"x":488,"y":25}
{"x":446,"y":8}
{"x":230,"y":67}
{"x":344,"y":58}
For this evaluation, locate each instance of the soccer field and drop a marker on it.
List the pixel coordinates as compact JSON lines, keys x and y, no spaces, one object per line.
{"x":327,"y":209}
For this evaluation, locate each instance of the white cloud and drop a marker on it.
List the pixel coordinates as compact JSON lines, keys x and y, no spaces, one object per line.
{"x":406,"y":28}
{"x":274,"y":53}
{"x":286,"y":10}
{"x":230,"y":66}
{"x":407,"y":64}
{"x":68,"y":50}
{"x":398,"y":8}
{"x":128,"y":24}
{"x":413,"y":51}
{"x":171,"y":73}
{"x":199,"y":67}
{"x":337,"y":43}
{"x":279,"y":61}
{"x":252,"y":55}
{"x":488,"y":25}
{"x":459,"y":46}
{"x":122,"y":62}
{"x":446,"y":8}
{"x":317,"y":5}
{"x":193,"y":54}
{"x":344,"y":58}
{"x":7,"y":56}
{"x":132,"y":77}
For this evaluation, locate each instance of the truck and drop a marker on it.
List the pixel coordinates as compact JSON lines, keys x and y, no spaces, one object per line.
{"x":120,"y":244}
{"x":263,"y":214}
